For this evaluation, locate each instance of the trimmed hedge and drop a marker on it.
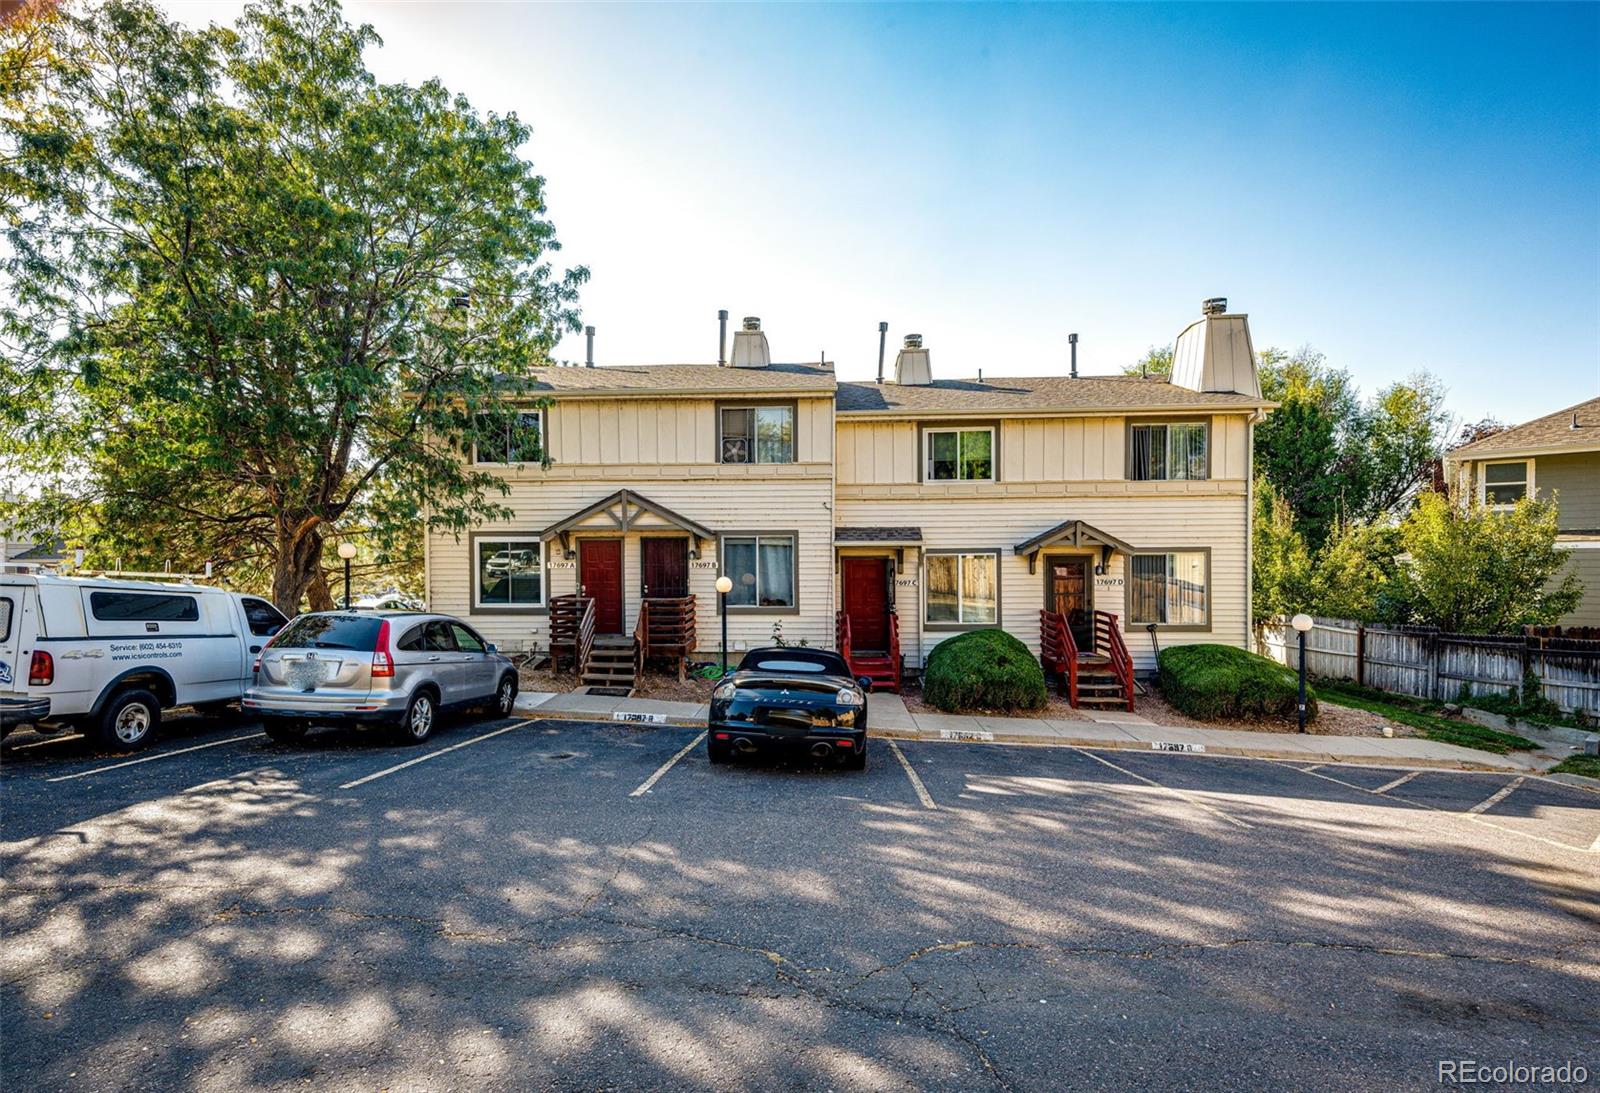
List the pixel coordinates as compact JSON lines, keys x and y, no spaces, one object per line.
{"x":983,"y":670}
{"x":1216,"y":681}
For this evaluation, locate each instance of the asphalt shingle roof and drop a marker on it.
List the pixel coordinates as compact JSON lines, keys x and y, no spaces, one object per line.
{"x":1032,"y":394}
{"x":678,"y":379}
{"x":877,"y":535}
{"x":1551,"y":431}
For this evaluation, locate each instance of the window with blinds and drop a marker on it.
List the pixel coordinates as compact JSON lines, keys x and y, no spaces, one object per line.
{"x":1168,"y":589}
{"x":1174,"y":451}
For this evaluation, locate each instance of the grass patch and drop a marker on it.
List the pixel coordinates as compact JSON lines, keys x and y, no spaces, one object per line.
{"x":1586,"y":765}
{"x":1411,"y":711}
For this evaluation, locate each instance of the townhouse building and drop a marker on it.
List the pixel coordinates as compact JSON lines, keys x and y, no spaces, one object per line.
{"x":884,"y":515}
{"x":1555,"y":458}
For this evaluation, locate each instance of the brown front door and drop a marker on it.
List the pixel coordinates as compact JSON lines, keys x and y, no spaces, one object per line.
{"x":600,"y":574}
{"x":866,"y":602}
{"x":1068,"y":593}
{"x":666,"y":567}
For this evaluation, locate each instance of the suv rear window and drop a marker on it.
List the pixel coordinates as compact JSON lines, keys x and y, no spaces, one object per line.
{"x":143,"y":607}
{"x":330,"y":632}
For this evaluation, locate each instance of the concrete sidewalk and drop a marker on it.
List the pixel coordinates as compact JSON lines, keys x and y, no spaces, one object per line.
{"x":888,"y":717}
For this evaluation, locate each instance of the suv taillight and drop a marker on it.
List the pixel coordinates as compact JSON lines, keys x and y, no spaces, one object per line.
{"x":42,"y":670}
{"x":382,"y":662}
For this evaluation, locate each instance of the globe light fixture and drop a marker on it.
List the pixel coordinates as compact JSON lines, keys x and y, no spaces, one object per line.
{"x":347,"y":550}
{"x":1302,"y":624}
{"x":724,"y":586}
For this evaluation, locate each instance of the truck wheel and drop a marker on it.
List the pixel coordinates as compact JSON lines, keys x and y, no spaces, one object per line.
{"x":129,"y":720}
{"x":417,"y":724}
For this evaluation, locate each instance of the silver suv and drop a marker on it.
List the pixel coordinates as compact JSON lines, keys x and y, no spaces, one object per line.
{"x":398,"y":668}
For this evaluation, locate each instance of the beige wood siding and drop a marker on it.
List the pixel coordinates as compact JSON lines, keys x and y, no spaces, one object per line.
{"x":591,"y":433}
{"x":1046,"y":449}
{"x":1154,"y":521}
{"x":740,"y":504}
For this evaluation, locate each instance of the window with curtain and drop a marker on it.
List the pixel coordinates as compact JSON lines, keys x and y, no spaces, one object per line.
{"x":761,"y":568}
{"x":1167,"y":452}
{"x":958,"y":455}
{"x":1169,"y":589}
{"x":757,"y":434}
{"x":510,"y":573}
{"x":962,"y":589}
{"x":512,"y":438}
{"x":1505,"y":483}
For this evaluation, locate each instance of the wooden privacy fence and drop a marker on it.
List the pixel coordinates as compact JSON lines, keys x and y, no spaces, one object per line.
{"x":1428,"y":663}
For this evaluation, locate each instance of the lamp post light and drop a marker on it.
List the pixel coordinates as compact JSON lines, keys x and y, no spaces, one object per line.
{"x":1302,"y":624}
{"x":724,"y":586}
{"x":347,"y":551}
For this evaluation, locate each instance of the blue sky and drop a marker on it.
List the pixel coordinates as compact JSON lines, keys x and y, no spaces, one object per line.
{"x":1400,"y":186}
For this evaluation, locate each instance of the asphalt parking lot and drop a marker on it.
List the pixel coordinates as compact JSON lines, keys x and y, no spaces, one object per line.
{"x":528,"y":904}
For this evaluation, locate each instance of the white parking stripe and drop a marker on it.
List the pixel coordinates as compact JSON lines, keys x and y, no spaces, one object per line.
{"x":51,"y":740}
{"x":431,"y":755}
{"x":1396,"y":784}
{"x":1494,"y":799}
{"x":1175,"y":792}
{"x":153,"y":758}
{"x":916,"y":783}
{"x":1595,"y":849}
{"x":644,"y":786}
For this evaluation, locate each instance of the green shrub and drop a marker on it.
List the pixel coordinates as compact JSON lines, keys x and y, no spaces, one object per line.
{"x":983,"y":670}
{"x":1219,"y":681}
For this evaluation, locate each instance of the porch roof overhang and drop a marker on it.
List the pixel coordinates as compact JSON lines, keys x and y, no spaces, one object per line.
{"x":900,"y":537}
{"x":623,"y":508}
{"x":1075,"y":533}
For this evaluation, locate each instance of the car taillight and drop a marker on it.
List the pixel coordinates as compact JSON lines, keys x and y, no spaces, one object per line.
{"x":42,"y":670}
{"x":382,"y":662}
{"x":256,"y":667}
{"x":842,"y":744}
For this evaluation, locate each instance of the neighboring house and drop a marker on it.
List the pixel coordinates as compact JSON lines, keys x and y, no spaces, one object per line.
{"x":1555,"y":457}
{"x":913,"y":508}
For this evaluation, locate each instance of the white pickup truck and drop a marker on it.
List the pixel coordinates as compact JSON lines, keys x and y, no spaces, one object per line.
{"x":107,"y":656}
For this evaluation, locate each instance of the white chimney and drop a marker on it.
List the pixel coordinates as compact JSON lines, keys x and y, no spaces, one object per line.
{"x":1214,"y":353}
{"x":911,"y":364}
{"x":750,"y":346}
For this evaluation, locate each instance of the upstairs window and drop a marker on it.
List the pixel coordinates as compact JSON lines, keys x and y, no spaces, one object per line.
{"x":958,"y":455}
{"x":757,"y":434}
{"x":1504,"y":484}
{"x":513,"y":438}
{"x":1162,"y":453}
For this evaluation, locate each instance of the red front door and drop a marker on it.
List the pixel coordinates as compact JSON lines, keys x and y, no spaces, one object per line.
{"x":600,"y":574}
{"x":666,"y":567}
{"x":866,"y":602}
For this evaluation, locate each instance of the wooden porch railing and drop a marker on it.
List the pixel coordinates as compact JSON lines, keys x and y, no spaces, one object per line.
{"x":894,"y":648}
{"x":1059,"y":652}
{"x":571,"y":631}
{"x":1108,"y":640}
{"x":666,"y":629}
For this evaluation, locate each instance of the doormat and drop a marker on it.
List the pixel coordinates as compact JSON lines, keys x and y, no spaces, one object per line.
{"x":607,"y":692}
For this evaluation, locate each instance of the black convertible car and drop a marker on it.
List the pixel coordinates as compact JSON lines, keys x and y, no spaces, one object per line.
{"x":802,"y":699}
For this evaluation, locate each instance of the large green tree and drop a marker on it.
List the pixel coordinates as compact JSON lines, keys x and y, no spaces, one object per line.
{"x":252,"y":296}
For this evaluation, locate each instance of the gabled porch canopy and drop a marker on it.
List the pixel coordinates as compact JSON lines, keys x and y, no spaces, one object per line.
{"x":626,"y":511}
{"x":1072,"y":533}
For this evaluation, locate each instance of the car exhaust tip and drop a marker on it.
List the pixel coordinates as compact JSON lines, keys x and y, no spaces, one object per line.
{"x":821,"y":751}
{"x":745,"y":744}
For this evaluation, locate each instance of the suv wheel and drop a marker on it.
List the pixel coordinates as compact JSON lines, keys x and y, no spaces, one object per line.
{"x":417,"y":724}
{"x":129,"y":720}
{"x":506,"y":697}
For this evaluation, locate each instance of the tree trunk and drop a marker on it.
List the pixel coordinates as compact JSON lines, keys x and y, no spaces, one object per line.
{"x":298,"y":567}
{"x":319,"y":595}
